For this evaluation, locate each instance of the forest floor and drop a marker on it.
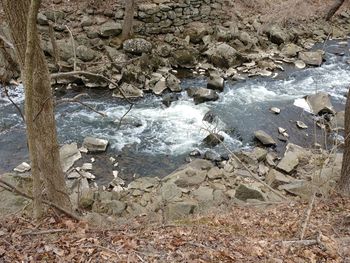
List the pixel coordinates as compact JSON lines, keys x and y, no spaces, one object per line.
{"x":242,"y":234}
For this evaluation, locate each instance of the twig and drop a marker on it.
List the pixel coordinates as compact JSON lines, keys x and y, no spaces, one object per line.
{"x":75,"y":100}
{"x":307,"y":215}
{"x":73,"y":46}
{"x":45,"y":232}
{"x":14,"y":104}
{"x":126,"y":113}
{"x":9,"y":187}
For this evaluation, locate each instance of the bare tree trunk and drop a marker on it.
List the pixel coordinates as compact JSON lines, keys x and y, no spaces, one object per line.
{"x":128,"y":19}
{"x":344,"y":182}
{"x":41,"y":129}
{"x":334,"y":8}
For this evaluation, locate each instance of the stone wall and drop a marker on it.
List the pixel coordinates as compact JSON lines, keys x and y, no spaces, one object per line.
{"x":170,"y":17}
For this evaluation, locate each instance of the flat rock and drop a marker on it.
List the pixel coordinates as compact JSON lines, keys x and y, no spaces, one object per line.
{"x":312,"y":58}
{"x":95,"y":144}
{"x":320,"y":103}
{"x":264,"y":138}
{"x":144,"y":183}
{"x":203,"y":194}
{"x":299,"y":187}
{"x":215,"y":173}
{"x":245,"y":192}
{"x":69,"y":154}
{"x":170,"y":192}
{"x":276,"y":178}
{"x":22,"y":168}
{"x":289,"y":162}
{"x":110,"y":29}
{"x":181,"y":209}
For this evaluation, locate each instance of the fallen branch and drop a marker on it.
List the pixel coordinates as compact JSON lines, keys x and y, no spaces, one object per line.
{"x":14,"y":104}
{"x":9,"y":187}
{"x":45,"y":232}
{"x":76,"y":100}
{"x":307,"y":216}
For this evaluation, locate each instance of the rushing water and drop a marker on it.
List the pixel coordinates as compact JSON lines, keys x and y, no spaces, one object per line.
{"x":153,"y":139}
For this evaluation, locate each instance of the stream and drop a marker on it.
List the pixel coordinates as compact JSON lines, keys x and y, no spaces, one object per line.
{"x":154,"y":140}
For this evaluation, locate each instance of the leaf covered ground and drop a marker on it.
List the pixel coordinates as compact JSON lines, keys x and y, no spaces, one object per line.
{"x":243,"y":234}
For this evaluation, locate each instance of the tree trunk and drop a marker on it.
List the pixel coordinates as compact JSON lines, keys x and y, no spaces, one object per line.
{"x":39,"y":107}
{"x":344,"y":182}
{"x":128,"y":19}
{"x":334,"y":8}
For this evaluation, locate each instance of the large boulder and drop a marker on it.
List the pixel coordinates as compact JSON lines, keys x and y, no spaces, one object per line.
{"x":110,"y":29}
{"x":215,"y":82}
{"x":137,"y":46}
{"x":312,"y":58}
{"x":320,"y":103}
{"x":264,"y":138}
{"x":85,"y":54}
{"x":245,"y":192}
{"x":277,"y":35}
{"x":201,"y":95}
{"x":223,"y":55}
{"x":95,"y":144}
{"x":184,"y":58}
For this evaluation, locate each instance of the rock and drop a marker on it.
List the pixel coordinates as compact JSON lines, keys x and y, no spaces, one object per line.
{"x":173,"y":83}
{"x":215,"y":173}
{"x":129,"y":90}
{"x":179,"y":210}
{"x":200,"y":164}
{"x":186,"y":177}
{"x":312,"y":58}
{"x":264,"y":138}
{"x":159,"y":87}
{"x":277,"y":35}
{"x":289,"y":162}
{"x":95,"y":144}
{"x":213,"y":139}
{"x":209,"y":117}
{"x":137,"y":46}
{"x":111,"y":207}
{"x":257,"y":154}
{"x":170,"y":192}
{"x":291,"y":50}
{"x":201,"y":95}
{"x":164,"y":50}
{"x":116,"y":55}
{"x":85,"y":54}
{"x":110,"y":29}
{"x":185,"y":58}
{"x":86,"y":200}
{"x":222,"y":55}
{"x":86,"y":166}
{"x":299,"y":64}
{"x":298,"y":187}
{"x":245,"y":192}
{"x":275,"y":110}
{"x":42,"y":19}
{"x":22,"y":168}
{"x":216,"y":82}
{"x":203,"y":194}
{"x":144,"y":183}
{"x":169,"y":98}
{"x":212,"y":156}
{"x":301,"y":125}
{"x":275,"y":178}
{"x":197,"y":31}
{"x":69,"y":154}
{"x":320,"y":103}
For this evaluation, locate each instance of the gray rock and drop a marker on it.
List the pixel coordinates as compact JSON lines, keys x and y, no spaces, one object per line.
{"x":264,"y":138}
{"x":313,"y":58}
{"x":300,"y":188}
{"x":222,"y":55}
{"x":213,"y":139}
{"x":201,"y":95}
{"x":144,"y":183}
{"x":184,"y":58}
{"x":197,"y":31}
{"x":277,"y":35}
{"x":169,"y":98}
{"x":187,"y":177}
{"x":137,"y":46}
{"x":291,"y":50}
{"x":215,"y":173}
{"x":159,"y":87}
{"x":86,"y":21}
{"x":212,"y":156}
{"x":275,"y":178}
{"x":215,"y":82}
{"x":256,"y":155}
{"x":173,"y":83}
{"x":22,"y":168}
{"x":95,"y":144}
{"x":180,"y":210}
{"x":129,"y":90}
{"x":203,"y":194}
{"x":116,"y":55}
{"x":338,"y":121}
{"x":112,"y":207}
{"x":245,"y":192}
{"x":110,"y":29}
{"x":85,"y":54}
{"x":86,"y":199}
{"x":170,"y":192}
{"x":69,"y":154}
{"x":289,"y":162}
{"x":42,"y":19}
{"x":320,"y":103}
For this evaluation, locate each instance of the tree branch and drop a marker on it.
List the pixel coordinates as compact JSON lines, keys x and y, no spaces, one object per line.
{"x":11,"y":188}
{"x":73,"y":46}
{"x":14,"y":104}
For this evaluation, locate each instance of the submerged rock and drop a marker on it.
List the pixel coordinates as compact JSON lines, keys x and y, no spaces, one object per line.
{"x":95,"y":144}
{"x":203,"y":95}
{"x":213,"y":139}
{"x":169,"y":98}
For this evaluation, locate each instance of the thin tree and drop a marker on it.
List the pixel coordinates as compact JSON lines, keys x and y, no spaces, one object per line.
{"x":128,"y":19}
{"x":48,"y":178}
{"x":344,"y":182}
{"x":334,"y":8}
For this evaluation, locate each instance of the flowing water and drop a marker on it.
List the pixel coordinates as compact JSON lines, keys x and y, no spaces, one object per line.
{"x":154,"y":140}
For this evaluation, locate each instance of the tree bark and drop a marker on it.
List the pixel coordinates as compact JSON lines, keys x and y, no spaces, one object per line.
{"x":128,"y":19}
{"x":344,"y":182}
{"x":334,"y":8}
{"x":41,"y":129}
